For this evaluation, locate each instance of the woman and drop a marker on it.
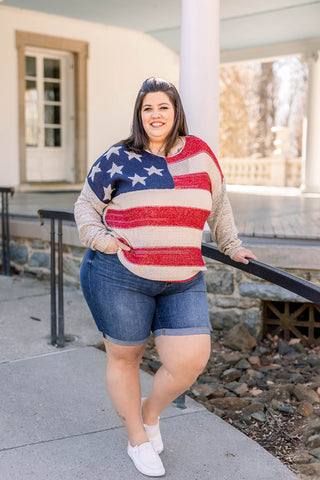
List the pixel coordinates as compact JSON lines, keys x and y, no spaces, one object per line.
{"x":141,"y":213}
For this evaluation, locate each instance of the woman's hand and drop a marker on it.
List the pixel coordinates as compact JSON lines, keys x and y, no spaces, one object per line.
{"x":242,"y":255}
{"x":115,"y":245}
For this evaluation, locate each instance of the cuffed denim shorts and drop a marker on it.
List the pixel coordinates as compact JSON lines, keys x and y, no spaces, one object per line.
{"x":127,"y":308}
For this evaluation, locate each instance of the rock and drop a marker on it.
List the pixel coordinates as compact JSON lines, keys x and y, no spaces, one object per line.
{"x":208,"y":379}
{"x":267,"y":292}
{"x":314,"y":441}
{"x":243,"y":364}
{"x":287,"y":409}
{"x":255,"y":392}
{"x":303,"y":457}
{"x":260,"y":416}
{"x":40,"y":259}
{"x":251,"y":319}
{"x":315,"y":453}
{"x":218,"y":411}
{"x":238,"y":338}
{"x":202,"y":389}
{"x":284,"y":375}
{"x":225,"y":319}
{"x":231,"y":374}
{"x":312,"y":428}
{"x":219,"y":280}
{"x":71,"y":267}
{"x":253,"y":408}
{"x":303,"y":393}
{"x":218,"y":392}
{"x":230,"y":394}
{"x":285,"y":387}
{"x":18,"y":253}
{"x":261,"y":350}
{"x":299,"y":348}
{"x":232,"y":358}
{"x":232,"y":386}
{"x":314,"y":362}
{"x":310,"y":469}
{"x":154,"y":365}
{"x":250,"y":375}
{"x":254,"y":360}
{"x":305,"y":409}
{"x":284,"y":348}
{"x":230,"y":403}
{"x":293,"y":356}
{"x":241,"y":390}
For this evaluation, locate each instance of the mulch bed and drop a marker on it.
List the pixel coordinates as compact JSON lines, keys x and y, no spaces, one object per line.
{"x":284,"y":433}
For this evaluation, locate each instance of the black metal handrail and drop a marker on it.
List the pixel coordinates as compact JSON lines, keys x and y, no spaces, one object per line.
{"x":297,"y":285}
{"x":5,"y":229}
{"x":290,"y":282}
{"x":57,"y":337}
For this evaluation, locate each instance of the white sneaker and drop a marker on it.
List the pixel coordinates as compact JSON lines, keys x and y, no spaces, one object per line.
{"x":154,"y":434}
{"x":146,"y":460}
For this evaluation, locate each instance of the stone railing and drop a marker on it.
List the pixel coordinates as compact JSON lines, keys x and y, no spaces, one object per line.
{"x":276,"y":171}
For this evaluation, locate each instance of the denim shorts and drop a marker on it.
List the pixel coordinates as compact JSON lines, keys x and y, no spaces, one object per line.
{"x":127,"y":308}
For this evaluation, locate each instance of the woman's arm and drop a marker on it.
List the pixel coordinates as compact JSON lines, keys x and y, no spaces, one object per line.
{"x":223,"y":228}
{"x":88,"y":211}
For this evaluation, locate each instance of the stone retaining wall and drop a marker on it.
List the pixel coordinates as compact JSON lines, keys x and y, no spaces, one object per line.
{"x":233,"y":296}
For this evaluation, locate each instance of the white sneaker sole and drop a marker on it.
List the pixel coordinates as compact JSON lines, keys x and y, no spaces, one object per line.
{"x":150,"y":472}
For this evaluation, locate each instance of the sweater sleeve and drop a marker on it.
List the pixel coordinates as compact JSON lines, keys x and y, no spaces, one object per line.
{"x":96,"y":194}
{"x":221,"y":223}
{"x":88,"y":212}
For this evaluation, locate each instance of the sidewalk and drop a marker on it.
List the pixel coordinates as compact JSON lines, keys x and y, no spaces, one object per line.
{"x":57,"y":420}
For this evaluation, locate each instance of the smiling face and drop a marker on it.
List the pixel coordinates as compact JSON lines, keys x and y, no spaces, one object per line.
{"x":157,"y":115}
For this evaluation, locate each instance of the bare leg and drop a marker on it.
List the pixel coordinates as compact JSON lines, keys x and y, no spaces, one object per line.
{"x":124,"y":388}
{"x":183,"y":359}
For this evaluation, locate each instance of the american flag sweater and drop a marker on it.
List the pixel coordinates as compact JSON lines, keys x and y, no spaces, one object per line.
{"x":158,"y":206}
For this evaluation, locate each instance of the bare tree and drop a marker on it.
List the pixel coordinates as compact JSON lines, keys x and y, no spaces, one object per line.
{"x":265,"y":88}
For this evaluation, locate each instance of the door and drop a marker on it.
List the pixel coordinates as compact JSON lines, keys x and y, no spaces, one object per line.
{"x":49,"y":116}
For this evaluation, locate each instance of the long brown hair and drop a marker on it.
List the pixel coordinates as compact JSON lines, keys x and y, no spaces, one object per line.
{"x":138,"y":139}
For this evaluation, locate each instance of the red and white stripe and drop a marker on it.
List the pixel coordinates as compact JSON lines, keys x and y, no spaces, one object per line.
{"x":164,"y":227}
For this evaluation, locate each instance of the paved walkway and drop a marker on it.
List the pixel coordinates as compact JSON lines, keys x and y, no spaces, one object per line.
{"x":258,"y":211}
{"x":56,"y":418}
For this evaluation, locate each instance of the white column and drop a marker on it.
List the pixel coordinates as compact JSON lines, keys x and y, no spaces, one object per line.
{"x":311,"y":156}
{"x":199,"y":68}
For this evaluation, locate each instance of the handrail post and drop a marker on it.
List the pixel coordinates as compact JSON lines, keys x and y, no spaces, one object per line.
{"x":57,"y":338}
{"x":60,"y":287}
{"x":180,"y":401}
{"x":53,"y":284}
{"x":5,"y":229}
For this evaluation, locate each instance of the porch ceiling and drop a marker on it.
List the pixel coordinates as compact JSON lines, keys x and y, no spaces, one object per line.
{"x":244,"y":24}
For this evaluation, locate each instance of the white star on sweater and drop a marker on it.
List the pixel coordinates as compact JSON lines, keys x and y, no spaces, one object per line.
{"x":136,"y":179}
{"x":107,"y":192}
{"x":115,"y":169}
{"x":95,"y":169}
{"x":132,"y":155}
{"x":112,"y":150}
{"x":155,"y":170}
